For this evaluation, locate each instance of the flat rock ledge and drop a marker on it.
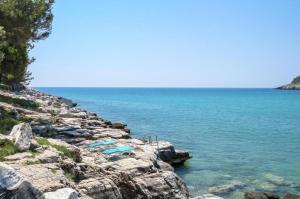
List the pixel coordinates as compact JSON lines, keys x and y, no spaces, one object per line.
{"x":66,"y":152}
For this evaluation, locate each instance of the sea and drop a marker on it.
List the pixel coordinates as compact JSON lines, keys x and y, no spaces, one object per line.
{"x":240,"y":139}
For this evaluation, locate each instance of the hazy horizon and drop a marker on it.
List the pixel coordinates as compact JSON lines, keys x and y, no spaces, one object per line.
{"x":170,"y":44}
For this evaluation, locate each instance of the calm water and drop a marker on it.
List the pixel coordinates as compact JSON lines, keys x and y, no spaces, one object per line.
{"x":245,"y":136}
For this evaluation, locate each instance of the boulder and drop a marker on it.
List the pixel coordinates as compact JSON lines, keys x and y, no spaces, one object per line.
{"x":13,"y":185}
{"x":260,"y":195}
{"x":167,"y":153}
{"x":64,"y":193}
{"x":22,"y":134}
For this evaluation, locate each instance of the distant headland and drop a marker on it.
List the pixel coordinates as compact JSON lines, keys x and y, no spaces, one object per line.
{"x":294,"y":85}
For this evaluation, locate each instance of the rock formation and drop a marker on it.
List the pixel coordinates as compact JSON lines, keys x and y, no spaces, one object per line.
{"x":294,"y":85}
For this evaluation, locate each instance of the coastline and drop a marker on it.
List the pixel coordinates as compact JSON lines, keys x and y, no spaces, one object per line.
{"x":143,"y":172}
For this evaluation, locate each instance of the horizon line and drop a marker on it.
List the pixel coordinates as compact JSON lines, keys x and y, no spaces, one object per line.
{"x":165,"y":87}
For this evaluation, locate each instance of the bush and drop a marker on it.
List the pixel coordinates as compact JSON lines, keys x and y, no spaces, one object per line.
{"x":7,"y":124}
{"x":7,"y":148}
{"x":42,"y":141}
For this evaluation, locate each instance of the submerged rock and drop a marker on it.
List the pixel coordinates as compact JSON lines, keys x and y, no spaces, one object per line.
{"x":260,"y":195}
{"x":22,"y":134}
{"x":207,"y":196}
{"x":227,"y":188}
{"x":291,"y":196}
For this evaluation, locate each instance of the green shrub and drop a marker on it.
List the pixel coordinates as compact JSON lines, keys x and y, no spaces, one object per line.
{"x":70,"y":176}
{"x":64,"y":150}
{"x":19,"y":102}
{"x":7,"y":124}
{"x":7,"y":148}
{"x":42,"y":141}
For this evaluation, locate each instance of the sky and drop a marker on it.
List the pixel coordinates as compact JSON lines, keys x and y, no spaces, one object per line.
{"x":170,"y":43}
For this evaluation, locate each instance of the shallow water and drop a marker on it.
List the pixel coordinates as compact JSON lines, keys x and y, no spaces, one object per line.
{"x":245,"y":139}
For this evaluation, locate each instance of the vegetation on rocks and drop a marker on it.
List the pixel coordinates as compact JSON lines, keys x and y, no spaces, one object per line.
{"x":7,"y":121}
{"x":70,"y":176}
{"x":23,"y":103}
{"x":61,"y":148}
{"x":296,"y":80}
{"x":7,"y":148}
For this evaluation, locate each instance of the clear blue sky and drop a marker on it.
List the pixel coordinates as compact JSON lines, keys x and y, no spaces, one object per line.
{"x":170,"y":43}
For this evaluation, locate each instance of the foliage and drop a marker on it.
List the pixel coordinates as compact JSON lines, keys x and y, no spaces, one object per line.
{"x":296,"y":80}
{"x":22,"y":22}
{"x":64,"y":150}
{"x":42,"y":141}
{"x":7,"y":124}
{"x":70,"y":176}
{"x":7,"y":120}
{"x":6,"y":148}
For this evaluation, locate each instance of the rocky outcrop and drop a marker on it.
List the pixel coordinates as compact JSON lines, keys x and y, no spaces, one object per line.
{"x":168,"y":153}
{"x":294,"y":85}
{"x":67,"y":157}
{"x":22,"y":135}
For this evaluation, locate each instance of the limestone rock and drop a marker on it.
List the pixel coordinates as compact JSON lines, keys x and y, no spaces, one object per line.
{"x":100,"y":188}
{"x":68,"y":102}
{"x":13,"y":185}
{"x":48,"y":156}
{"x":64,"y":193}
{"x":44,"y":177}
{"x":18,"y":156}
{"x":22,"y":135}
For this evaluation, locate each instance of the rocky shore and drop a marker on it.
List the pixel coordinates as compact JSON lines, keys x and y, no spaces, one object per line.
{"x":52,"y":149}
{"x":58,"y":149}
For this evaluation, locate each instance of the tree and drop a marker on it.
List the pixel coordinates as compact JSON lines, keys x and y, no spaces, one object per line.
{"x":24,"y":22}
{"x":296,"y":80}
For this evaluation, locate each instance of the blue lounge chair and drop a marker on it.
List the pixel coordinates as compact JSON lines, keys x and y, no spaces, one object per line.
{"x":118,"y":149}
{"x":103,"y":143}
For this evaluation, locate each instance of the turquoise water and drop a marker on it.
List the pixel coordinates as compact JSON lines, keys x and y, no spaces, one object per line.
{"x":246,"y":137}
